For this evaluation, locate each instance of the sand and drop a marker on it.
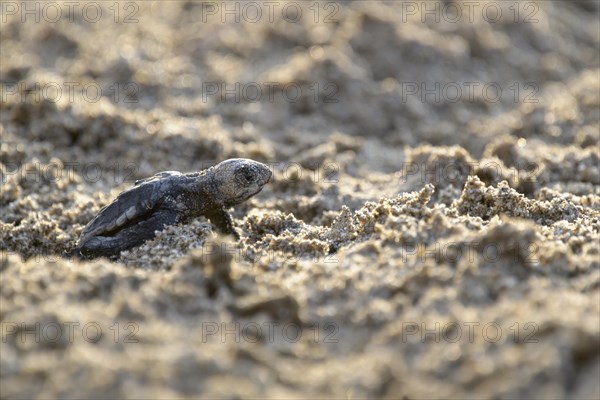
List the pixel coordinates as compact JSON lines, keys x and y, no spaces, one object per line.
{"x":415,"y":242}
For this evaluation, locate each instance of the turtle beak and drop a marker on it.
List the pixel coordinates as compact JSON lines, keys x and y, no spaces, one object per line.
{"x":264,"y":174}
{"x":269,"y":176}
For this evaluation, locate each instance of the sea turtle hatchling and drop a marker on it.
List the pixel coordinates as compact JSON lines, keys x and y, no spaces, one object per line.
{"x":169,"y":198}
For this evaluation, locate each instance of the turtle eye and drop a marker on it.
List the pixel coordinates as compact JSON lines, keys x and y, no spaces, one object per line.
{"x":246,"y":176}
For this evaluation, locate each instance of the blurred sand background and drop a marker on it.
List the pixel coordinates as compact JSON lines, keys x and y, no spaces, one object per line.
{"x":413,"y":244}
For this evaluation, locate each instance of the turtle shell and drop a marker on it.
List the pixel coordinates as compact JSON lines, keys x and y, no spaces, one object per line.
{"x":138,"y":202}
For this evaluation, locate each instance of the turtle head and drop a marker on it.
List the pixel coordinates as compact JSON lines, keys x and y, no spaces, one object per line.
{"x":238,"y":179}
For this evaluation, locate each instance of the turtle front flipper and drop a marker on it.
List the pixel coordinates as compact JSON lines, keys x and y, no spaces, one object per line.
{"x":135,"y":235}
{"x":223,"y":222}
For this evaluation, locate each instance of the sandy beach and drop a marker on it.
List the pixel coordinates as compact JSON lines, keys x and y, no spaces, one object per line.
{"x":431,"y":229}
